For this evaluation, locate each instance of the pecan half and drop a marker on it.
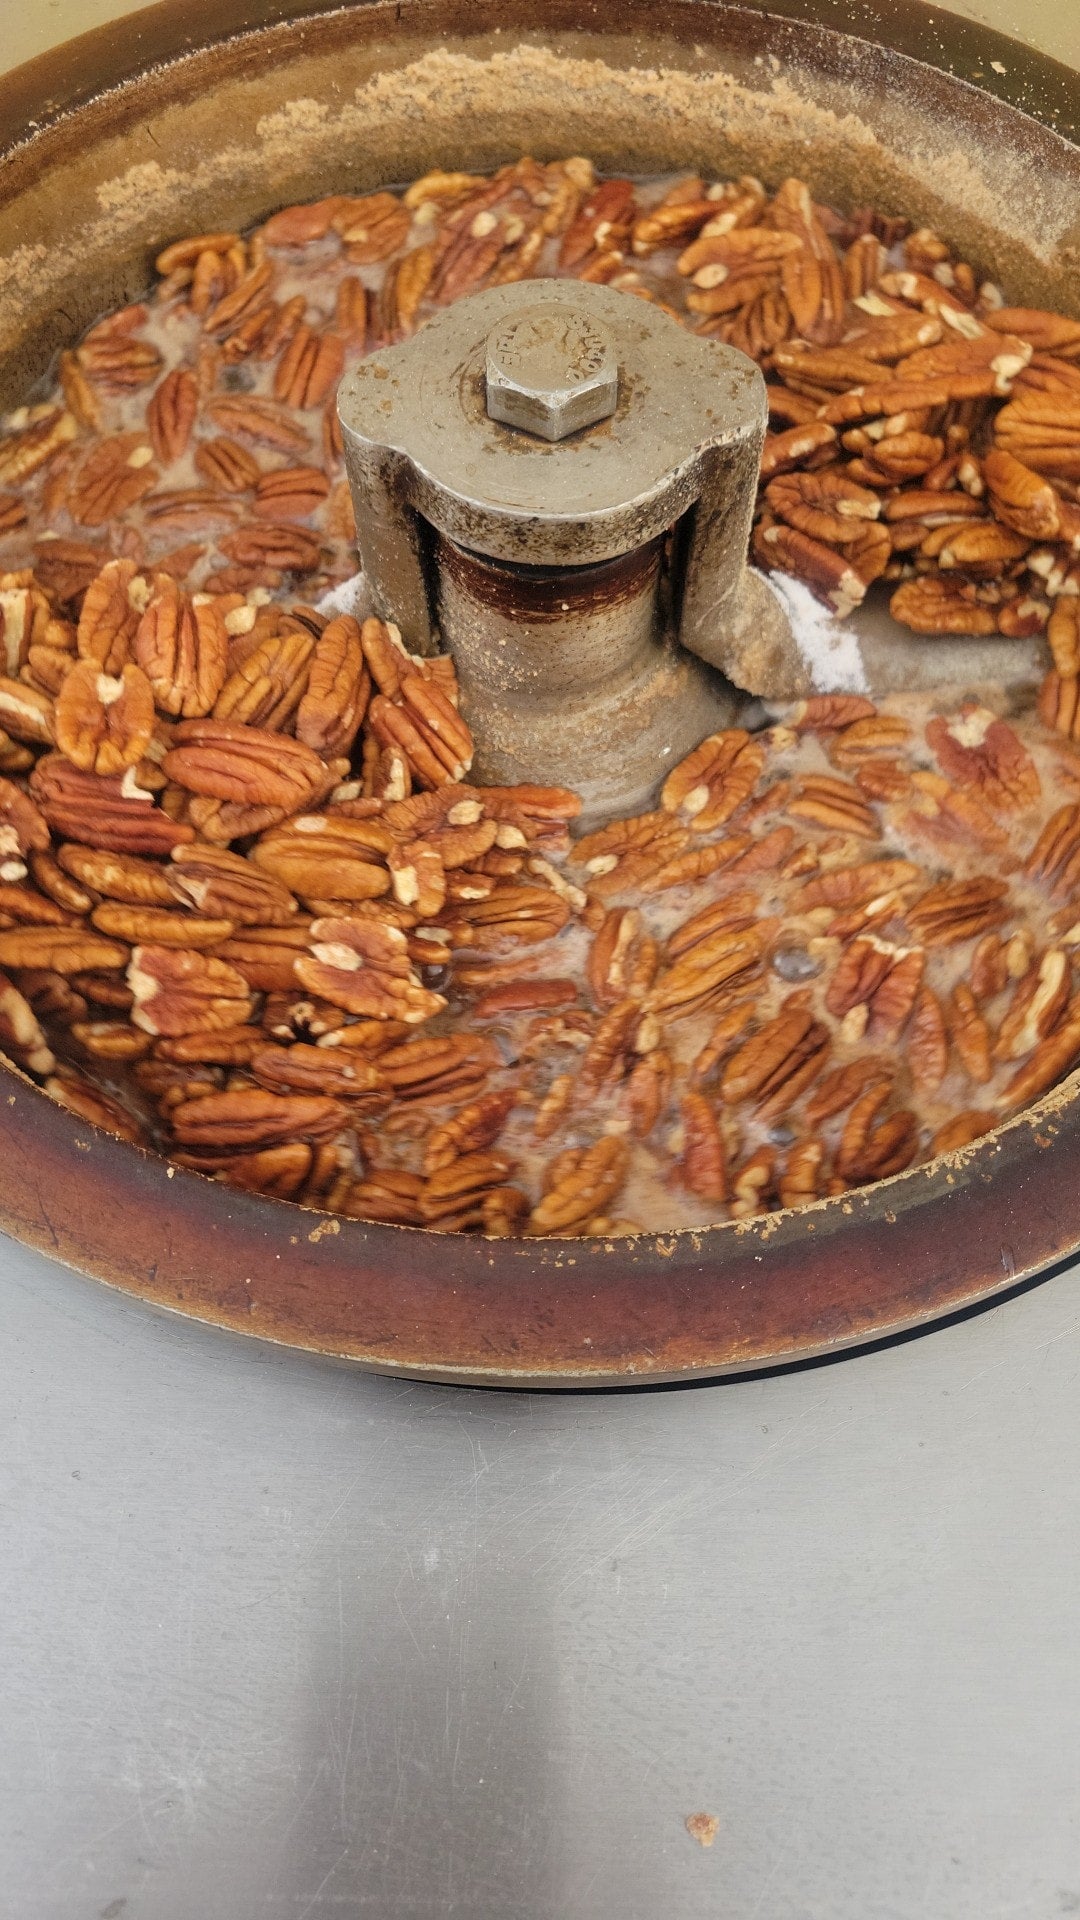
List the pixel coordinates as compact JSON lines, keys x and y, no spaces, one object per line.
{"x":179,"y":990}
{"x":110,"y":812}
{"x":103,"y":723}
{"x":243,"y":764}
{"x":364,"y":968}
{"x":977,"y":750}
{"x":182,"y":645}
{"x":581,"y":1183}
{"x":253,"y":1117}
{"x":711,"y":784}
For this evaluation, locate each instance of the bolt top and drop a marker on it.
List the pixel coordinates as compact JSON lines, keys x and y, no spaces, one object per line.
{"x":551,"y":369}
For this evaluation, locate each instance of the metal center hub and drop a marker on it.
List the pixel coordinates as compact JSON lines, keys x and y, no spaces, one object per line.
{"x":551,"y":370}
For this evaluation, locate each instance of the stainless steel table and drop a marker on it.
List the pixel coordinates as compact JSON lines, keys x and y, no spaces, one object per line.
{"x":279,"y":1639}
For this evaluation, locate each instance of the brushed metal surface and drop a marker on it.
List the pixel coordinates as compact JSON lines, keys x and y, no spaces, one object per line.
{"x":284,"y":1642}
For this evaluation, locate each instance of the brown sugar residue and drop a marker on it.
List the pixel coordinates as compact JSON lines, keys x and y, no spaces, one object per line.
{"x":702,"y":1827}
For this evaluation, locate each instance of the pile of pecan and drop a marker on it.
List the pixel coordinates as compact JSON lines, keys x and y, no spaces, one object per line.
{"x":252,"y":913}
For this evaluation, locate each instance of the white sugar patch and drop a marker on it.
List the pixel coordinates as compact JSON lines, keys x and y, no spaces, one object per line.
{"x":828,"y":647}
{"x":349,"y":596}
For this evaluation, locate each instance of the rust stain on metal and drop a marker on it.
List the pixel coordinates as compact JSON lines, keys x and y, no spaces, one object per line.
{"x":541,"y":594}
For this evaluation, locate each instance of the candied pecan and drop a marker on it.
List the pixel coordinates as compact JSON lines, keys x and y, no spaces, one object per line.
{"x":269,"y":684}
{"x":432,"y":1068}
{"x":510,"y":915}
{"x":253,"y":1117}
{"x":961,"y":1130}
{"x":524,"y":996}
{"x":170,"y":416}
{"x":611,"y":968}
{"x":181,"y":644}
{"x":291,"y":493}
{"x":927,"y":1043}
{"x":21,"y":1036}
{"x":1055,"y":857}
{"x":22,"y":905}
{"x":387,"y":1194}
{"x":975,"y":547}
{"x":25,"y":620}
{"x":828,"y":574}
{"x":474,"y":1127}
{"x":60,"y":949}
{"x":859,"y":885}
{"x":453,"y":1196}
{"x":1059,"y":703}
{"x":871,"y":1146}
{"x":110,"y":1040}
{"x":1038,"y":1003}
{"x":364,"y":968}
{"x":783,"y":452}
{"x":179,"y":990}
{"x":712,"y":782}
{"x":158,"y":926}
{"x":1063,"y":634}
{"x":115,"y":473}
{"x":242,"y":764}
{"x":648,"y":1090}
{"x":250,"y":417}
{"x":110,"y":615}
{"x":835,"y":804}
{"x":778,"y":1063}
{"x":338,"y":687}
{"x":281,"y":1171}
{"x":214,"y":881}
{"x":321,"y":857}
{"x":1021,"y":498}
{"x":101,"y":723}
{"x":840,"y":1088}
{"x":713,"y":963}
{"x":111,"y":812}
{"x":1053,"y":1057}
{"x":90,"y":1103}
{"x":585,"y":1182}
{"x":811,"y":276}
{"x":35,"y":443}
{"x":266,"y":957}
{"x":702,"y":1166}
{"x":221,"y":1046}
{"x":683,"y":210}
{"x":12,"y":513}
{"x":285,"y":548}
{"x":426,"y":759}
{"x":954,"y":910}
{"x":309,"y":368}
{"x":26,"y":714}
{"x":372,"y":228}
{"x":50,"y":877}
{"x":117,"y":876}
{"x":975,"y":749}
{"x":883,"y":978}
{"x":227,"y":465}
{"x":607,"y":1053}
{"x":23,"y":829}
{"x":306,"y":1069}
{"x":829,"y":712}
{"x":970,"y":1033}
{"x":827,"y":506}
{"x":753,"y":1184}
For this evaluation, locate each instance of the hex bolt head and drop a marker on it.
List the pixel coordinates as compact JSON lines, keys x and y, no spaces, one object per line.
{"x":551,"y":370}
